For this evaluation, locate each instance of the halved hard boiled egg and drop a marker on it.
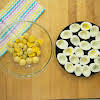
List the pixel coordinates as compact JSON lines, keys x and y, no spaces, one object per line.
{"x":74,"y":59}
{"x":95,"y":44}
{"x":75,"y":40}
{"x":94,"y":30}
{"x":62,"y":44}
{"x":84,"y":60}
{"x":85,"y":45}
{"x":62,"y":59}
{"x":74,"y":27}
{"x":68,"y":51}
{"x":66,"y":34}
{"x":94,"y":67}
{"x":86,"y":26}
{"x":78,"y":70}
{"x":86,"y":71}
{"x":84,"y":34}
{"x":98,"y":36}
{"x":69,"y":67}
{"x":78,"y":51}
{"x":97,"y":61}
{"x":93,"y":53}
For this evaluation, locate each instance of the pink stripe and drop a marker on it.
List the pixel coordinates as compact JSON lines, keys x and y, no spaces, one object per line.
{"x":34,"y":7}
{"x":12,"y":11}
{"x":8,"y":34}
{"x":33,"y":10}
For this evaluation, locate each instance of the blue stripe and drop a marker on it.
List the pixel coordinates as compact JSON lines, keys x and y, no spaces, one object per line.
{"x":7,"y":8}
{"x":6,"y":32}
{"x":39,"y":15}
{"x":10,"y":9}
{"x":27,"y":9}
{"x":4,"y":52}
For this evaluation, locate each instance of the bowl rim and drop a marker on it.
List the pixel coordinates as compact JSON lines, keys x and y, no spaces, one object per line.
{"x":42,"y":69}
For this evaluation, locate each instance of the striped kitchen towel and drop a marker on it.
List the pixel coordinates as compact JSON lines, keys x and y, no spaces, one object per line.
{"x":17,"y":10}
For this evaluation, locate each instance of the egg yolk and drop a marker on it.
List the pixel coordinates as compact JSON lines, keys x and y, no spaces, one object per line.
{"x":69,"y":66}
{"x":85,"y":26}
{"x":84,"y":59}
{"x":70,"y":51}
{"x":93,"y":52}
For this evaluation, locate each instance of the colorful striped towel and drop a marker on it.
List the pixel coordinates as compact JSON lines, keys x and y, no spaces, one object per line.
{"x":17,"y":10}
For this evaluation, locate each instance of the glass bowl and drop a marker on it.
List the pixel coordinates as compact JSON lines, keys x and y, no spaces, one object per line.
{"x":6,"y":61}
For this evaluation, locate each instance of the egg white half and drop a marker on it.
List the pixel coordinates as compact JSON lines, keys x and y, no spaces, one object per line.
{"x":84,"y":34}
{"x":66,"y":34}
{"x":98,"y":36}
{"x":95,"y":44}
{"x":97,"y":60}
{"x":85,"y":45}
{"x":93,"y":53}
{"x":84,"y":60}
{"x":74,"y":27}
{"x":62,"y":59}
{"x":69,"y":67}
{"x":94,"y":67}
{"x":74,"y":59}
{"x":94,"y":30}
{"x":68,"y":51}
{"x":62,"y":44}
{"x":75,"y":40}
{"x":78,"y":70}
{"x":78,"y":51}
{"x":86,"y":26}
{"x":86,"y":71}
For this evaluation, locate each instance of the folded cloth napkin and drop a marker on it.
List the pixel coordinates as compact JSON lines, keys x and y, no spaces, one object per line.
{"x":17,"y":10}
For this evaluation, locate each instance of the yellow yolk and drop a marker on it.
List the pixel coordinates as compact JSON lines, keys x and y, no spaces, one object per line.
{"x":84,"y":59}
{"x":69,"y":50}
{"x":31,"y":38}
{"x":69,"y":66}
{"x":85,"y":26}
{"x":17,"y":41}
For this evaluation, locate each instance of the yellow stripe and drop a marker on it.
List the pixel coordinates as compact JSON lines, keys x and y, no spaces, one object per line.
{"x":35,"y":14}
{"x":21,"y":11}
{"x":8,"y":6}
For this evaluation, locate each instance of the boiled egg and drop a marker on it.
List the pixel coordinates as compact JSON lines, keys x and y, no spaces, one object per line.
{"x":86,"y":71}
{"x":84,"y":60}
{"x":86,"y":26}
{"x":75,"y":40}
{"x":94,"y":30}
{"x":85,"y":45}
{"x":95,"y":44}
{"x":62,"y":44}
{"x":78,"y":70}
{"x":69,"y":67}
{"x":68,"y":51}
{"x":66,"y":34}
{"x":62,"y":59}
{"x":94,"y":67}
{"x":93,"y":53}
{"x":84,"y":34}
{"x":98,"y":36}
{"x":74,"y":59}
{"x":97,"y":61}
{"x":74,"y":27}
{"x":78,"y":51}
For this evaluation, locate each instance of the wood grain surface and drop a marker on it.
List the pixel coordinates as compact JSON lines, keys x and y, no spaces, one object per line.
{"x":54,"y":82}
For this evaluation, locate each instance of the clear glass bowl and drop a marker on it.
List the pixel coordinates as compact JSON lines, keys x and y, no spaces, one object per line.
{"x":6,"y":61}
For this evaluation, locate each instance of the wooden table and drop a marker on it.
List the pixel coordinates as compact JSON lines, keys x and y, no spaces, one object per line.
{"x":54,"y":82}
